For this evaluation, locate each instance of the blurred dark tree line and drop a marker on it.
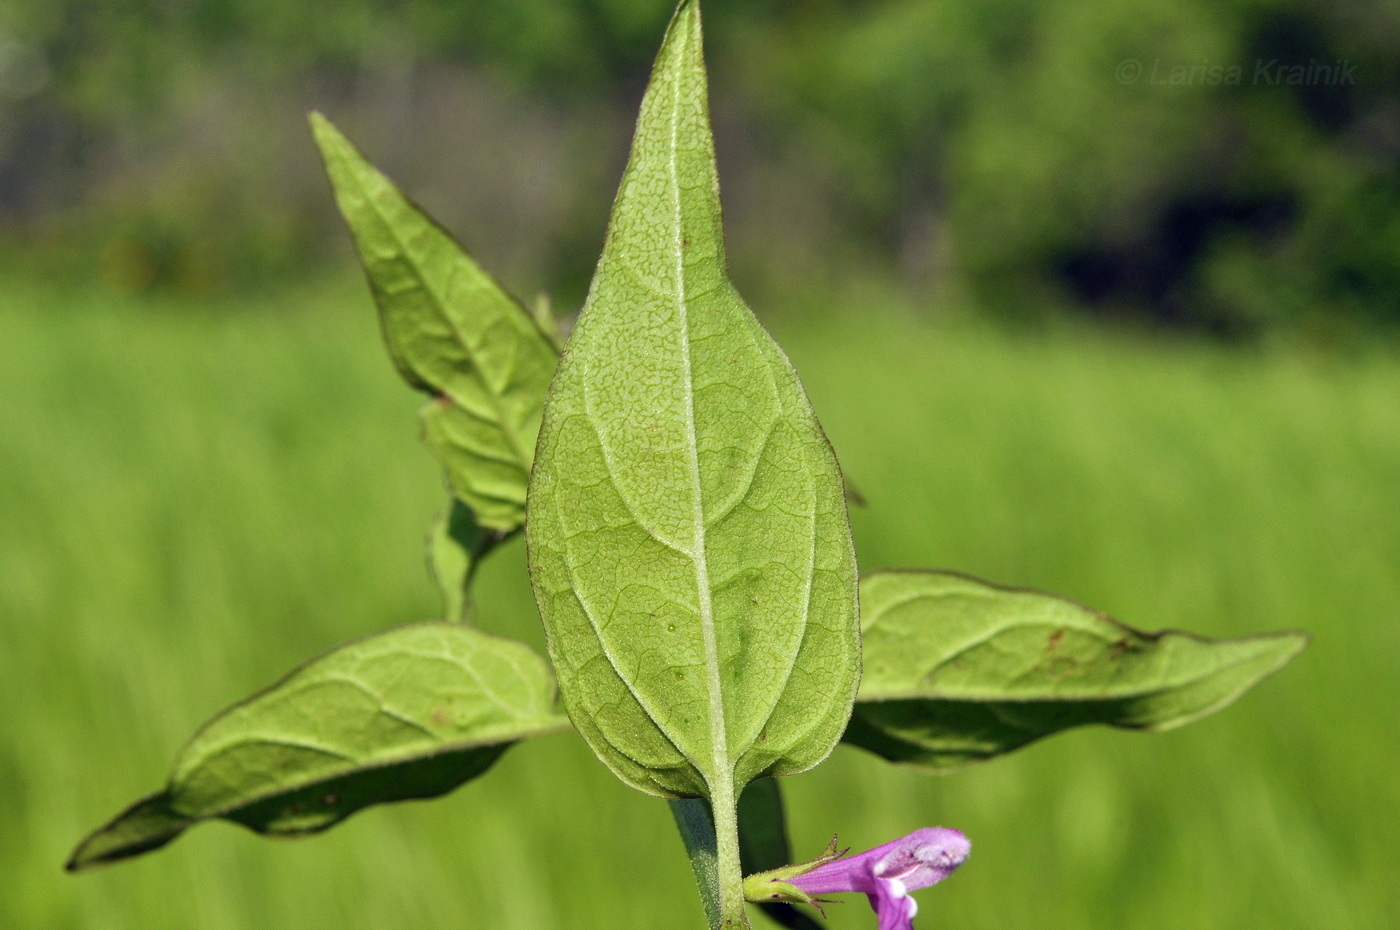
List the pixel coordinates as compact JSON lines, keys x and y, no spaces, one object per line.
{"x":1231,"y":165}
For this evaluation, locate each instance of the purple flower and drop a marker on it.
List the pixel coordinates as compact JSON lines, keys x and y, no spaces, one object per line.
{"x":885,"y":874}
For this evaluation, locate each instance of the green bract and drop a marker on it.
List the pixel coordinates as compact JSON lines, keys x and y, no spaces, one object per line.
{"x":958,"y":670}
{"x":411,"y":713}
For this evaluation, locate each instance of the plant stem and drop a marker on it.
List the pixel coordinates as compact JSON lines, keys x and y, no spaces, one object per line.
{"x":714,"y":861}
{"x":725,"y":809}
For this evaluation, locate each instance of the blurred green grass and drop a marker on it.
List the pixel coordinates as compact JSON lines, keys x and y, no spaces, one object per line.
{"x":195,"y":499}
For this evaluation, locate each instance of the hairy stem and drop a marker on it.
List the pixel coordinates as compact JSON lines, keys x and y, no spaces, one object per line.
{"x":711,"y":837}
{"x":731,"y":874}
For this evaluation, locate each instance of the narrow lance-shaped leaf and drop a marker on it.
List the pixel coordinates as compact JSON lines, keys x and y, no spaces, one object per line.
{"x":688,"y":537}
{"x":410,"y":713}
{"x":456,"y":546}
{"x":453,"y":332}
{"x":958,"y":671}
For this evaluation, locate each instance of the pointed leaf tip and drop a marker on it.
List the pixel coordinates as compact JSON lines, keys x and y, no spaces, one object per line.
{"x":958,"y":670}
{"x":453,"y":333}
{"x":147,"y":825}
{"x":688,"y":538}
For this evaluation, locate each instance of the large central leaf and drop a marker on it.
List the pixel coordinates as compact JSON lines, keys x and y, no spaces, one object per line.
{"x":688,"y":535}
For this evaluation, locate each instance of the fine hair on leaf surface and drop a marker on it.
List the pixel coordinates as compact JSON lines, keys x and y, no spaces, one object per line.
{"x":688,"y":541}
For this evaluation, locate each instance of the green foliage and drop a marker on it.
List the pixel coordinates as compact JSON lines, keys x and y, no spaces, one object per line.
{"x":411,"y":713}
{"x":1005,"y":133}
{"x":986,"y":146}
{"x":763,"y":838}
{"x":688,"y":537}
{"x":763,"y":845}
{"x":695,"y":821}
{"x":959,"y":671}
{"x":453,"y":333}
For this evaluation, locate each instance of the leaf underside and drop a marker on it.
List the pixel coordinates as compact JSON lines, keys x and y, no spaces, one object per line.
{"x":409,"y":713}
{"x":453,"y":333}
{"x":959,"y":671}
{"x":688,"y":537}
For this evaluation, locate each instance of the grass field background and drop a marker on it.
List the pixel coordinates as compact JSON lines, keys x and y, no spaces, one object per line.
{"x":196,"y":498}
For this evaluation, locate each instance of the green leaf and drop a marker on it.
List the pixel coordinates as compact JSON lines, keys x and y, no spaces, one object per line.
{"x":688,"y":537}
{"x":453,"y":332}
{"x":147,"y":825}
{"x":763,"y":845}
{"x":763,"y":840}
{"x":410,"y":713}
{"x":958,"y":671}
{"x":456,"y":546}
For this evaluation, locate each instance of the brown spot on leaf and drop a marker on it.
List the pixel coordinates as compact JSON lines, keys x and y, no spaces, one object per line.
{"x":1062,"y":668}
{"x":1054,"y":642}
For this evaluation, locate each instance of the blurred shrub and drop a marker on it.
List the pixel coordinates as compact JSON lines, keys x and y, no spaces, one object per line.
{"x":1005,"y":129}
{"x":995,"y":149}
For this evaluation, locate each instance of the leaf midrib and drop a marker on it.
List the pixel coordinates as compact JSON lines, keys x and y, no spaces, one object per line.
{"x":543,"y":726}
{"x":984,"y":637}
{"x":719,"y":739}
{"x":974,"y":697}
{"x":477,"y":371}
